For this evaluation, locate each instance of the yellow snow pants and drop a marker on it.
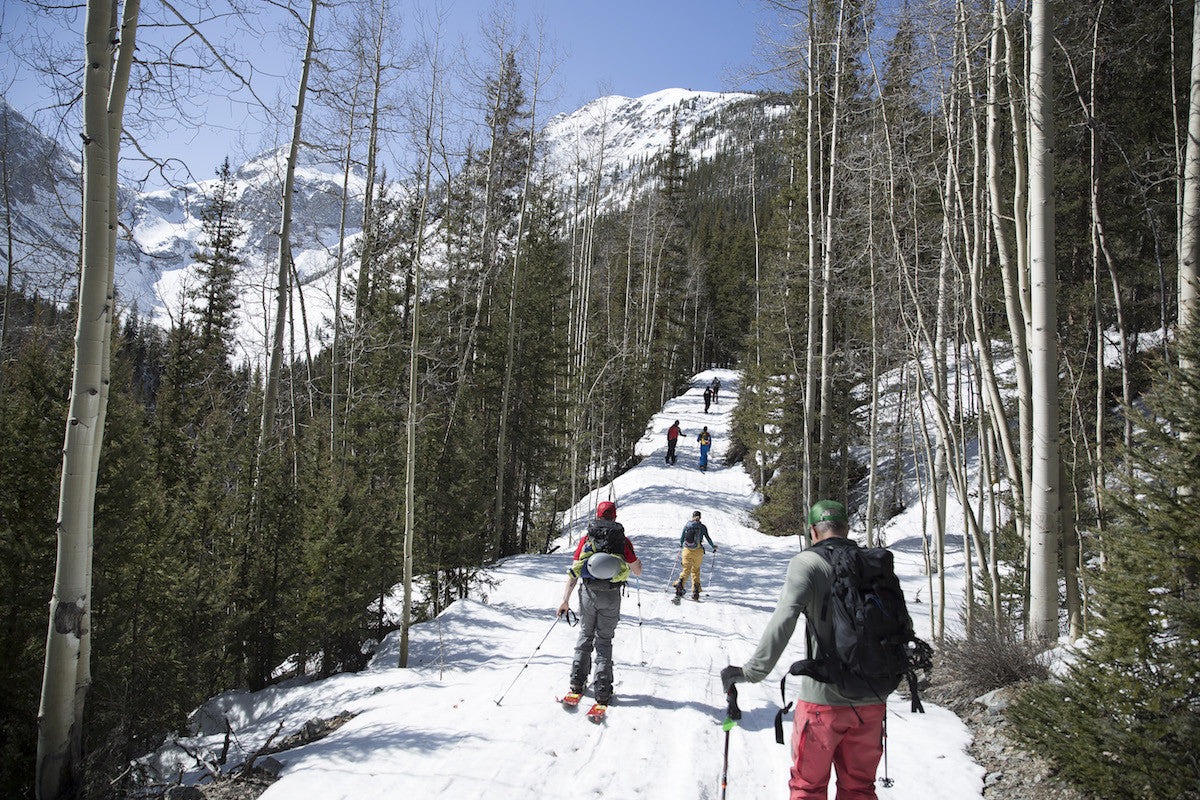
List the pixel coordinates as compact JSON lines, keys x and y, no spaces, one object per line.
{"x":692,"y":558}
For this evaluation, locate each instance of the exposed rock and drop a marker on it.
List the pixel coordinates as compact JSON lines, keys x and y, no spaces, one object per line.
{"x":183,"y":793}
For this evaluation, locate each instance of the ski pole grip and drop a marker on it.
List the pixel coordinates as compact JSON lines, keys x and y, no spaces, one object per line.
{"x":732,"y":711}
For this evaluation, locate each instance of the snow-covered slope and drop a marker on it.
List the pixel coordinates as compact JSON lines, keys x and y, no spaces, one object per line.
{"x":449,"y":726}
{"x":612,"y":135}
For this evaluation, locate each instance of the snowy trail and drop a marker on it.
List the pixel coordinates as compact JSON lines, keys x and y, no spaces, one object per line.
{"x":435,"y":729}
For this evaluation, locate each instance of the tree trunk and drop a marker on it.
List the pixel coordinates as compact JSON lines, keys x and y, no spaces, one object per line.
{"x":810,"y":375}
{"x":1045,"y":498}
{"x":283,"y":287}
{"x":1189,"y":239}
{"x":410,"y":459}
{"x":67,"y":676}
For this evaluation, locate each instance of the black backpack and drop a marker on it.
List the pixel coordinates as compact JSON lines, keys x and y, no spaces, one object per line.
{"x":607,"y":536}
{"x":604,"y":536}
{"x":691,"y":533}
{"x":872,"y":643}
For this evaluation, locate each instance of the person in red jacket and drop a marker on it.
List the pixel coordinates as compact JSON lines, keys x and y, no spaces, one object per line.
{"x":672,"y":440}
{"x":603,"y":560}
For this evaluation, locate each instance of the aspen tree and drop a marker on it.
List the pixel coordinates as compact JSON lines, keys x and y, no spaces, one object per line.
{"x":109,"y":46}
{"x":811,"y":204}
{"x":826,"y":412}
{"x":1045,"y":498}
{"x":1189,"y":237}
{"x":410,"y":427}
{"x":283,"y":284}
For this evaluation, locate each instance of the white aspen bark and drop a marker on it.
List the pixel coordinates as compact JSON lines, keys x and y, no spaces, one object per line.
{"x":941,"y":457}
{"x":626,"y":346}
{"x":935,"y":614}
{"x":1016,"y":281}
{"x":812,"y":201}
{"x":1012,"y":453}
{"x":1045,"y":498}
{"x":282,"y":290}
{"x":410,"y":458}
{"x":826,"y":413}
{"x":938,"y":351}
{"x":873,"y":459}
{"x":335,"y":346}
{"x":974,"y":236}
{"x":67,"y":673}
{"x":1189,"y":239}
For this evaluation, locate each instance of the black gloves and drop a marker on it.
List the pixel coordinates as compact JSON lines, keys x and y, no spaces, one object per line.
{"x":731,"y":675}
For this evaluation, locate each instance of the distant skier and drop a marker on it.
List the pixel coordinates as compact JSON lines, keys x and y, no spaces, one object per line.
{"x":705,"y":441}
{"x":692,"y":554}
{"x":672,"y":440}
{"x":716,"y":387}
{"x":603,"y":560}
{"x":708,"y":396}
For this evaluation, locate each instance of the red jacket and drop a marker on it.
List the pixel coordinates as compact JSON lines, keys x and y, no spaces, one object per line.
{"x":630,"y":556}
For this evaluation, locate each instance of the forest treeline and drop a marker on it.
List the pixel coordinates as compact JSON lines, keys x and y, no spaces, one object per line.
{"x":499,"y":342}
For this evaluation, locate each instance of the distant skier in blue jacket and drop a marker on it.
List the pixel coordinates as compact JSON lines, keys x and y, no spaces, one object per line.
{"x":705,"y":440}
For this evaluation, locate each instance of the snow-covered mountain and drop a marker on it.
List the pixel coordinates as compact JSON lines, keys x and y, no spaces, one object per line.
{"x":612,"y":136}
{"x":610,"y":142}
{"x":41,"y":186}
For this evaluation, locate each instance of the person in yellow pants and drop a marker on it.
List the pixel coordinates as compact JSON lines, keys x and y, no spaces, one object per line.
{"x":692,"y":554}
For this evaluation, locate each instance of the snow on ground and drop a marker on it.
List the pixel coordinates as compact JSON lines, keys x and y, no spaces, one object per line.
{"x":450,"y":726}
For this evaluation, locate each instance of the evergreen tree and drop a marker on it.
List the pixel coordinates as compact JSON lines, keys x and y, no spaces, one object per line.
{"x":31,"y":414}
{"x":1126,"y":717}
{"x":216,"y":303}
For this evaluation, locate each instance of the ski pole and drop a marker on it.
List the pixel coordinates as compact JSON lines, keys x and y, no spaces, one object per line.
{"x":557,"y":617}
{"x":713,"y":566}
{"x":641,"y":636}
{"x":671,"y":583}
{"x":732,"y":715}
{"x":886,"y":782}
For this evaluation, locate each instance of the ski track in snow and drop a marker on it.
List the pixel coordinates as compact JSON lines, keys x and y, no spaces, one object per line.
{"x":435,"y":730}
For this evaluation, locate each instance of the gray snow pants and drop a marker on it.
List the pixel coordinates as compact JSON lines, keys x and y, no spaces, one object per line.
{"x":599,"y":611}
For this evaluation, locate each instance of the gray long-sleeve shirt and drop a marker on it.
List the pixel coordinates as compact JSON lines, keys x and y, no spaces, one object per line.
{"x":805,"y":589}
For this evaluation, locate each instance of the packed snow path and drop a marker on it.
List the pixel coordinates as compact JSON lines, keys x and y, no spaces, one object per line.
{"x":436,"y":730}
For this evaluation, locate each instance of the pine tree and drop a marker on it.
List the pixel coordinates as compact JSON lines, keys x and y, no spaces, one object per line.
{"x":31,"y":411}
{"x":1124,"y":720}
{"x":216,"y":303}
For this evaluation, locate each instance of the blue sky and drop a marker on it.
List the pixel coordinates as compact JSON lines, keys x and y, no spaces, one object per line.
{"x":628,"y":47}
{"x":636,"y":47}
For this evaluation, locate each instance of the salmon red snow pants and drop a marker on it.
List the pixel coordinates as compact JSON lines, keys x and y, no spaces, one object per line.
{"x":825,"y":736}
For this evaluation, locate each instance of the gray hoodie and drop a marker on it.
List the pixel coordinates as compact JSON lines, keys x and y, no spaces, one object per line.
{"x":805,"y":589}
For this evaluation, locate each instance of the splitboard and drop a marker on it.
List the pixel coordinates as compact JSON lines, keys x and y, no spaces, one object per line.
{"x":596,"y":713}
